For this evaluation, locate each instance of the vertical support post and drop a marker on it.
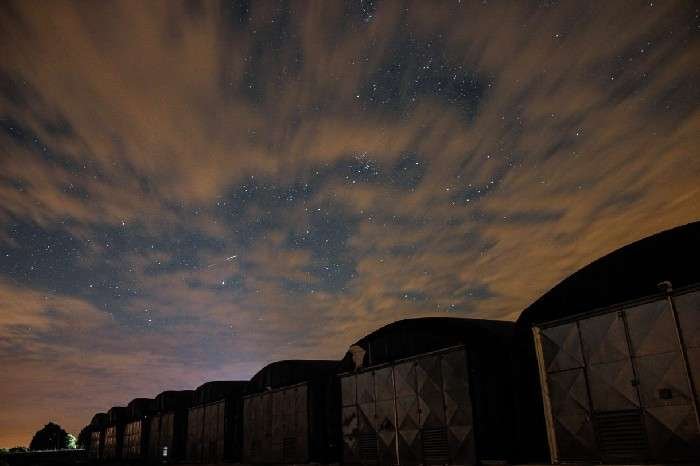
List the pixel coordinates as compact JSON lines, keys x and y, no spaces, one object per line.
{"x":396,"y":416}
{"x":684,"y":355}
{"x":548,"y":416}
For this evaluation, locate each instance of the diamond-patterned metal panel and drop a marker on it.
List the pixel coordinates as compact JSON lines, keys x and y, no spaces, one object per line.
{"x":604,"y":338}
{"x":458,"y":409}
{"x":567,"y":392}
{"x":673,"y":433}
{"x":561,"y":347}
{"x":651,"y":328}
{"x":348,"y":390}
{"x":571,"y":413}
{"x":662,"y":380}
{"x":688,"y":308}
{"x":365,"y":401}
{"x":350,"y":434}
{"x":612,"y":386}
{"x":384,"y":420}
{"x":384,"y":384}
{"x":429,"y":387}
{"x":408,"y":438}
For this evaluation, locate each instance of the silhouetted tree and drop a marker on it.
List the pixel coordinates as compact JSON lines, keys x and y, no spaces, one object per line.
{"x":51,"y":437}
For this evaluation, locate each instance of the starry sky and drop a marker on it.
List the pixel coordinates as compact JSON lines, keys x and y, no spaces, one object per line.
{"x":191,"y":190}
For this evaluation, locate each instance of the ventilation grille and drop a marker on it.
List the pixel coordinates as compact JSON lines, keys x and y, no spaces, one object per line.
{"x":435,"y":449}
{"x":621,"y":435}
{"x":289,"y":449}
{"x":367,"y":442}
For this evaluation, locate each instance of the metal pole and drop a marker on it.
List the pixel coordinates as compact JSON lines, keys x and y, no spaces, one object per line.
{"x":548,"y":416}
{"x":684,"y":355}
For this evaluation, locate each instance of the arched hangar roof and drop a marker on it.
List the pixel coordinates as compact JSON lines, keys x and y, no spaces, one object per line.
{"x":289,"y":372}
{"x":410,"y":337}
{"x":631,"y":272}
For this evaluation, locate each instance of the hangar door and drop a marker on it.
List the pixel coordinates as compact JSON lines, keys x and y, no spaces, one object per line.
{"x":276,"y":426}
{"x":618,"y":386}
{"x":416,"y":411}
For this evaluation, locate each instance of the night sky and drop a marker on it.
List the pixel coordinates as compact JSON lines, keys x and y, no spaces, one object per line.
{"x":189,"y":191}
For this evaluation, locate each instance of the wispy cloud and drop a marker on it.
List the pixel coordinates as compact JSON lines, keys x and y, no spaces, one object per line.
{"x":362,"y":163}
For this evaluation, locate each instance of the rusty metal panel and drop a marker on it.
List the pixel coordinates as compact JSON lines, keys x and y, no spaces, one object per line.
{"x":407,"y":420}
{"x":195,"y":429}
{"x":458,"y":410}
{"x":561,"y":347}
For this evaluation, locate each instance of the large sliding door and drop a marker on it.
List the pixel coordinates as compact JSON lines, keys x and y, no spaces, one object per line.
{"x":416,"y":412}
{"x":618,"y":386}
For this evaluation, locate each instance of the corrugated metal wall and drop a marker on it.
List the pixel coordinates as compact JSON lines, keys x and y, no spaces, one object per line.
{"x":113,"y":442}
{"x":276,"y":426}
{"x":135,"y":435}
{"x":96,"y":444}
{"x":417,"y":411}
{"x":621,"y":385}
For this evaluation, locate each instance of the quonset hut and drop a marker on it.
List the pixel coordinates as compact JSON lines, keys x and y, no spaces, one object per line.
{"x":214,"y":432}
{"x":97,"y":436}
{"x":168,"y":432}
{"x":136,"y":430}
{"x":428,"y":391}
{"x":291,"y":413}
{"x":114,"y":433}
{"x":617,"y":349}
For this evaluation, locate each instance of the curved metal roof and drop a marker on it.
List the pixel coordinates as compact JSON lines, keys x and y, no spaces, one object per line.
{"x":631,"y":272}
{"x":410,"y":337}
{"x":174,"y":399}
{"x":217,"y":390}
{"x":99,"y":420}
{"x":290,"y":372}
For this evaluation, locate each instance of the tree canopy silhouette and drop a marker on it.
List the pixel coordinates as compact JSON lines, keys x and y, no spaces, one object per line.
{"x":50,"y":437}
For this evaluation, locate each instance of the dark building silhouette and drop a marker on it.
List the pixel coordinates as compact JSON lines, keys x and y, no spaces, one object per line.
{"x":214,"y":423}
{"x":96,"y":428}
{"x":291,"y":413}
{"x":168,"y":431}
{"x":617,"y":347}
{"x":114,"y":433}
{"x":428,"y":391}
{"x":137,"y":427}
